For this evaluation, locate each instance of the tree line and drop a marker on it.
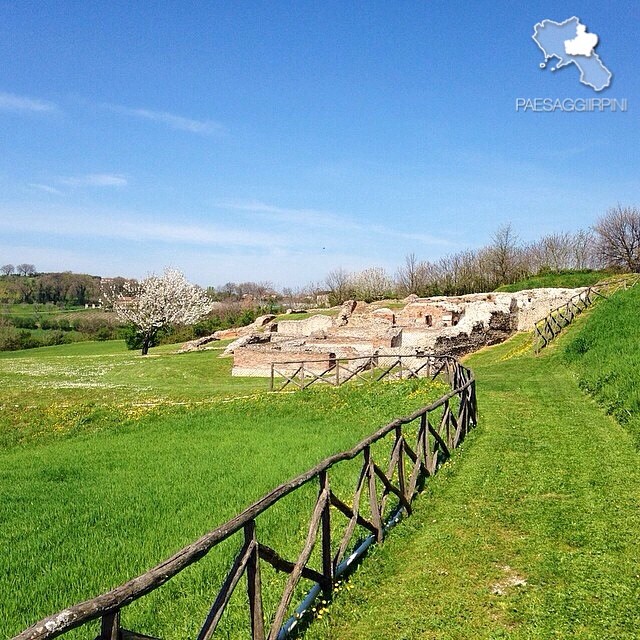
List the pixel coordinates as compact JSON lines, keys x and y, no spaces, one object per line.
{"x":20,"y":285}
{"x":612,"y":243}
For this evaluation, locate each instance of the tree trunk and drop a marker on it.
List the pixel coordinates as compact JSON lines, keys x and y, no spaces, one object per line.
{"x":145,"y":344}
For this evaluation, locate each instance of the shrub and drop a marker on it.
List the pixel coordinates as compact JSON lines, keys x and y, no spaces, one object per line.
{"x":577,"y":347}
{"x":104,"y":333}
{"x":134,"y":339}
{"x":24,"y":322}
{"x":63,"y":324}
{"x":27,"y":340}
{"x":56,"y":337}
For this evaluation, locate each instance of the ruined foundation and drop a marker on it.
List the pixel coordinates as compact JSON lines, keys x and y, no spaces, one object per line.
{"x":438,"y":325}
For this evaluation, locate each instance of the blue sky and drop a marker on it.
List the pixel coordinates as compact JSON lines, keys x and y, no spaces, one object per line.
{"x":279,"y":140}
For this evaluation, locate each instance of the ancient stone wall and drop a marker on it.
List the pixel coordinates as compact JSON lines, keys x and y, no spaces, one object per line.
{"x":256,"y":362}
{"x":306,"y":327}
{"x":437,"y":325}
{"x":428,"y":315}
{"x":534,"y":304}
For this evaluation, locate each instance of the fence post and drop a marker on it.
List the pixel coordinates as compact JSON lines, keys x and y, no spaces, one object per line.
{"x":337,"y":373}
{"x":376,"y":518}
{"x":272,"y":376}
{"x":401,"y":478}
{"x":327,"y":560}
{"x":110,"y":626}
{"x":254,"y":586}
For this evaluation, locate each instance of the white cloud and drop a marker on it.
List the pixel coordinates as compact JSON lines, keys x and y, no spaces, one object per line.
{"x":327,"y":220}
{"x":309,"y":217}
{"x":46,"y":188}
{"x":117,"y":225}
{"x":95,"y":180}
{"x":251,"y":247}
{"x":202,"y":127}
{"x":12,"y":102}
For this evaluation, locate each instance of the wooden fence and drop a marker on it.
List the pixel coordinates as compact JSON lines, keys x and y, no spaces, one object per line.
{"x":549,"y":327}
{"x":385,"y":488}
{"x":557,"y":319}
{"x":300,"y":374}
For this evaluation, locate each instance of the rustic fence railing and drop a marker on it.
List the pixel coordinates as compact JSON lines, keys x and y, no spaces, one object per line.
{"x":300,"y":374}
{"x":546,"y":329}
{"x":549,"y":327}
{"x":385,"y":488}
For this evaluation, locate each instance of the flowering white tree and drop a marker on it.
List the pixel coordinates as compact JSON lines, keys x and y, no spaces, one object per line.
{"x":371,"y":284}
{"x":158,"y":302}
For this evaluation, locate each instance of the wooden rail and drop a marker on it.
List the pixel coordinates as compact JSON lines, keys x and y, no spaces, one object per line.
{"x":549,"y":327}
{"x":417,"y":445}
{"x":557,"y":319}
{"x":300,"y":374}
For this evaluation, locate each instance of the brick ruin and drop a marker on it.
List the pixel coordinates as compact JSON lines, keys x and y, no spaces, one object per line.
{"x":454,"y":325}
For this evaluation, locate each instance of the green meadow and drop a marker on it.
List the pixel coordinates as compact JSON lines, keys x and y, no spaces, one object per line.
{"x":122,"y":460}
{"x":532,"y":530}
{"x":110,"y":462}
{"x":90,"y":386}
{"x":570,"y":279}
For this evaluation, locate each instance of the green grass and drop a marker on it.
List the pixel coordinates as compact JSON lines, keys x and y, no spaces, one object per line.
{"x":531,"y":531}
{"x":305,"y":315}
{"x":100,"y":502}
{"x":564,"y":279}
{"x":605,"y":353}
{"x":87,"y":386}
{"x":24,"y":309}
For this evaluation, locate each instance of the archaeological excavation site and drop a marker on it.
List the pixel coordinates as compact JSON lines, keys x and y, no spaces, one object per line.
{"x":438,"y":325}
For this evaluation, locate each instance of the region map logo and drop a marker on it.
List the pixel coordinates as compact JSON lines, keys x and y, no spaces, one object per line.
{"x":571,"y":44}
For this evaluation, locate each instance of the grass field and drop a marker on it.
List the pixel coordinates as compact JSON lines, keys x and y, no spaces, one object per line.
{"x":533,"y":531}
{"x":88,"y":506}
{"x":24,"y":309}
{"x":111,"y":462}
{"x":88,"y":386}
{"x":605,"y":353}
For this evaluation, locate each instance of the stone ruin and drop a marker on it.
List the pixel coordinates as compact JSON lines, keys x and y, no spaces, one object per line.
{"x":438,"y":325}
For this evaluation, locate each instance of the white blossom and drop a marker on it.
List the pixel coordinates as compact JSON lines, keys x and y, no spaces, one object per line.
{"x":158,"y":302}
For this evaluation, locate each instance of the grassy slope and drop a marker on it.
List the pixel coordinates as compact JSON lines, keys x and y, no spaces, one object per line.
{"x":546,"y":492}
{"x":80,"y":514}
{"x":568,"y":279}
{"x":606,"y":355}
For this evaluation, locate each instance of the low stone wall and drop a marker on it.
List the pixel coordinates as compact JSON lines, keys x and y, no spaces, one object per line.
{"x":253,"y":361}
{"x":534,"y":304}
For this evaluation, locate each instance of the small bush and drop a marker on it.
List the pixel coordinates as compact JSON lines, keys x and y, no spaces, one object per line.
{"x":577,"y":347}
{"x":56,"y":337}
{"x":63,"y":324}
{"x":104,"y":333}
{"x":24,"y":322}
